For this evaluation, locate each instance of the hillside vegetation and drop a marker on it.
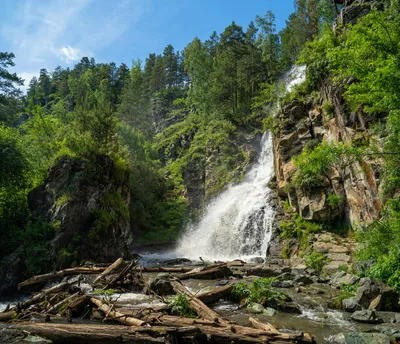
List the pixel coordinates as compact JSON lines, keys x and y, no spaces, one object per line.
{"x":178,"y":125}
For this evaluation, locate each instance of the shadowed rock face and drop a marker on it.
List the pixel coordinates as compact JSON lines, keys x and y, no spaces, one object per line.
{"x":89,"y":200}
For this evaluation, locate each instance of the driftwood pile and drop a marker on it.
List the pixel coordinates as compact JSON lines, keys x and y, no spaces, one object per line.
{"x":138,"y":325}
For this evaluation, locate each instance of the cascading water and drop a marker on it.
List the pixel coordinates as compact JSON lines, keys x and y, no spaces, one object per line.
{"x":238,"y":223}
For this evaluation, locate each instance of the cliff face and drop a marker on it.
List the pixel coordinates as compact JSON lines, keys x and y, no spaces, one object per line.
{"x":328,"y":119}
{"x":302,"y":123}
{"x":88,"y":201}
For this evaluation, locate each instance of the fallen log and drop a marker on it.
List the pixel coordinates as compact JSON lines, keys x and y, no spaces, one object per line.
{"x":263,"y":326}
{"x":201,"y":309}
{"x":215,"y":272}
{"x":40,"y":296}
{"x":59,"y":274}
{"x":111,"y":269}
{"x":7,"y":316}
{"x":216,"y":294}
{"x":87,"y":333}
{"x":110,"y":334}
{"x":164,"y":269}
{"x":114,"y":314}
{"x":64,"y":301}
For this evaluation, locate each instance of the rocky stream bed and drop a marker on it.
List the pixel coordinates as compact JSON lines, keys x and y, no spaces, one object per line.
{"x":65,"y":309}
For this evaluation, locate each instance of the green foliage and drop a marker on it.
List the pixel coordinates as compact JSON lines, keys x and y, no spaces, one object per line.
{"x":298,"y":228}
{"x":316,"y":260}
{"x":314,"y":165}
{"x":328,"y":109}
{"x":241,"y":291}
{"x":380,"y":242}
{"x":180,"y":305}
{"x":259,"y":291}
{"x":346,"y":291}
{"x":387,"y":268}
{"x":334,"y":200}
{"x":37,"y":238}
{"x":106,"y":292}
{"x":63,"y":199}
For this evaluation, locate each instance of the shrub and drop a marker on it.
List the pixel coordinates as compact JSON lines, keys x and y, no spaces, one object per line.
{"x":259,"y":291}
{"x":316,"y":260}
{"x":180,"y":305}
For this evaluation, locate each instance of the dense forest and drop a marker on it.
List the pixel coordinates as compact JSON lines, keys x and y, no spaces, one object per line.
{"x":162,"y":122}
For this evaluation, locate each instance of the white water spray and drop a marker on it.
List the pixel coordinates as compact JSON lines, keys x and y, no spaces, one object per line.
{"x":238,"y":223}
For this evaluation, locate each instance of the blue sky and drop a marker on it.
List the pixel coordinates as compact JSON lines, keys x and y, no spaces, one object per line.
{"x":48,"y":33}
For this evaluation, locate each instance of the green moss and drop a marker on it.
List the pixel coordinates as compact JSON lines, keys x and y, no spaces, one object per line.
{"x":113,"y":200}
{"x":63,"y":199}
{"x":299,"y":229}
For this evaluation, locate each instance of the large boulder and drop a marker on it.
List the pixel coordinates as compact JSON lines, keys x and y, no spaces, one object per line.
{"x":12,"y":271}
{"x":89,"y":198}
{"x":162,"y":284}
{"x":351,"y":304}
{"x":343,"y":278}
{"x":367,"y":317}
{"x":360,"y":338}
{"x":376,"y":295}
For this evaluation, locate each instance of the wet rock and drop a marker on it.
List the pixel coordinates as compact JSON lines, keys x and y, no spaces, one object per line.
{"x":257,"y":260}
{"x":282,"y":284}
{"x":285,"y":276}
{"x":367,"y":317}
{"x":264,"y":271}
{"x":299,"y":269}
{"x":256,"y":308}
{"x":269,"y":312}
{"x":176,"y":261}
{"x":303,"y":279}
{"x":343,"y":278}
{"x":286,"y":307}
{"x":351,"y":304}
{"x":222,"y":283}
{"x":360,"y":338}
{"x":162,"y":285}
{"x":376,"y":295}
{"x":388,"y":317}
{"x":11,"y":335}
{"x":12,"y":271}
{"x":391,"y":330}
{"x":367,"y":291}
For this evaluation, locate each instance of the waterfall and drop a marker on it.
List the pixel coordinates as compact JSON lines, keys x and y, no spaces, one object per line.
{"x":238,"y":223}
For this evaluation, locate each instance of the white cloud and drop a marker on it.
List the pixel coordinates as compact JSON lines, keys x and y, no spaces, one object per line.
{"x":60,"y":32}
{"x":27,"y":77}
{"x":70,"y":54}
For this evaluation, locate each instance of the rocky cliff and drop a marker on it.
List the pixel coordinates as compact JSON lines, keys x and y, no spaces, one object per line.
{"x":304,"y":123}
{"x":88,"y":202}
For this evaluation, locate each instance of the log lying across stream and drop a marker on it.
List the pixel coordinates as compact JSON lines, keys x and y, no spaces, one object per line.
{"x":136,"y":324}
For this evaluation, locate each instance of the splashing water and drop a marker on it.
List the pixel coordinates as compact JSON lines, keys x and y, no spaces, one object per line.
{"x":238,"y":223}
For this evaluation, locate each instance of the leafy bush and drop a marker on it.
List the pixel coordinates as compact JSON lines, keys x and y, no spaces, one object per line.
{"x":334,"y":200}
{"x":314,"y":165}
{"x":387,"y":268}
{"x":299,"y":229}
{"x":180,"y":305}
{"x":259,"y":291}
{"x":316,"y":260}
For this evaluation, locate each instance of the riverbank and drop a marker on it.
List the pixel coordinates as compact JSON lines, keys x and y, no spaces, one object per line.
{"x":309,"y":306}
